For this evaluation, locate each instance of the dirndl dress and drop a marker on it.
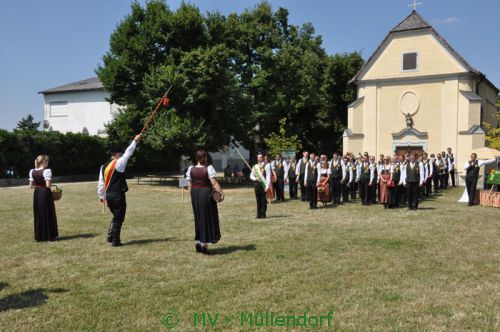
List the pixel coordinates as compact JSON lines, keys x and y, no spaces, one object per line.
{"x":44,"y":211}
{"x":206,"y":215}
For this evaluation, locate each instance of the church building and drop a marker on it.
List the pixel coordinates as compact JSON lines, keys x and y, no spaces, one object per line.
{"x":416,"y":93}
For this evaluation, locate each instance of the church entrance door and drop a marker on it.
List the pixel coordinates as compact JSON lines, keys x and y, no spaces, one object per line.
{"x":402,"y":149}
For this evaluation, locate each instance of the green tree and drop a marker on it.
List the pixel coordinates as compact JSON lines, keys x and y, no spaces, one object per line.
{"x":153,"y":48}
{"x":492,"y":133}
{"x":233,"y":78}
{"x":27,"y":123}
{"x":278,"y":143}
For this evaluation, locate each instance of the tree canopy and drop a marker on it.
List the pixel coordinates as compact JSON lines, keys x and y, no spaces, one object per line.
{"x":234,"y":77}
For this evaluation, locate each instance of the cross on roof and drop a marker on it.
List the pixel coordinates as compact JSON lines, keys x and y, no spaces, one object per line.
{"x":415,"y":4}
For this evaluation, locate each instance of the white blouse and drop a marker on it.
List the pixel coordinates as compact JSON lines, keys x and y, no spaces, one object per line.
{"x":47,"y":174}
{"x":211,"y":172}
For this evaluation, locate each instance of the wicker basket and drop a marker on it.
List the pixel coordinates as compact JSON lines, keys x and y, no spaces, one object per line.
{"x":56,"y":193}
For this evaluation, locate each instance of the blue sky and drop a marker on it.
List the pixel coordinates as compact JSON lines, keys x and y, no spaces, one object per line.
{"x":49,"y":43}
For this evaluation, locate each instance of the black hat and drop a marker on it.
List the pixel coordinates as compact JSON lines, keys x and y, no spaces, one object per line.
{"x":114,"y":148}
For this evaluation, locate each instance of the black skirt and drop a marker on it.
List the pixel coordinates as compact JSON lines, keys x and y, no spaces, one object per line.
{"x":394,"y":195}
{"x":45,"y":215}
{"x":206,"y":215}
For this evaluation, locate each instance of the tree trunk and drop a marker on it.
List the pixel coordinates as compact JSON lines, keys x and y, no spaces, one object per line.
{"x":257,"y":138}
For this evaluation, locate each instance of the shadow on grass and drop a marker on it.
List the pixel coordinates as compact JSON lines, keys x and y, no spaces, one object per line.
{"x":146,"y":241}
{"x":77,"y":236}
{"x":426,"y":208}
{"x":3,"y":285}
{"x":279,"y":216}
{"x":231,"y":249}
{"x":28,"y":299}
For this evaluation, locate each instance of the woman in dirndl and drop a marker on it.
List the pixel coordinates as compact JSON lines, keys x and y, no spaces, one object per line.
{"x":323,"y":185}
{"x":385,"y":181}
{"x":44,"y":211}
{"x":201,"y":179}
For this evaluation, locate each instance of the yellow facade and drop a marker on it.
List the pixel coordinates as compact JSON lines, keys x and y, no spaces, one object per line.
{"x":448,"y":101}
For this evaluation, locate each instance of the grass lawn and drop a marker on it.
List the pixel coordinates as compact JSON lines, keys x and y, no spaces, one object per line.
{"x":434,"y":269}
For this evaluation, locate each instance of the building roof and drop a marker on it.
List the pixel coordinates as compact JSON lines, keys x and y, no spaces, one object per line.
{"x":411,"y":22}
{"x":416,"y":22}
{"x":92,"y":83}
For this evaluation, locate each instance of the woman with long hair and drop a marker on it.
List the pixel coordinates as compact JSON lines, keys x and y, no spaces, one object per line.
{"x":44,"y":211}
{"x":201,"y":179}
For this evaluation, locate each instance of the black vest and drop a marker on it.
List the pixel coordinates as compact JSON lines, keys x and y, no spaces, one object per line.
{"x":279,"y":169}
{"x":312,"y":172}
{"x":118,"y":183}
{"x":302,"y":166}
{"x":336,"y":170}
{"x":375,"y":172}
{"x":364,"y":174}
{"x":354,"y":169}
{"x":413,"y":175}
{"x":291,"y":171}
{"x":396,"y":173}
{"x":472,"y":172}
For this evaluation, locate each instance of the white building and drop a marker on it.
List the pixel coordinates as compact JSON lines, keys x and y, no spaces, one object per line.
{"x":79,"y":107}
{"x":228,"y":156}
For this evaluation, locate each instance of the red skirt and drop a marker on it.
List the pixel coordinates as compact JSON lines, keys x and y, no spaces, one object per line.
{"x":384,"y":189}
{"x":324,"y":191}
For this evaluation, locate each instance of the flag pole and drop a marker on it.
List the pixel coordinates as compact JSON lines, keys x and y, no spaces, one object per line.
{"x":155,"y":110}
{"x":244,"y":160}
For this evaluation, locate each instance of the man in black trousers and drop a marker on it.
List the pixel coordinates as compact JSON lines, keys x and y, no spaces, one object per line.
{"x":261,"y":176}
{"x":291,"y":176}
{"x":451,"y":166}
{"x":472,"y":175}
{"x":301,"y":169}
{"x":311,"y":179}
{"x":365,"y":179}
{"x":335,"y":178}
{"x":413,"y":179}
{"x":278,"y":168}
{"x":112,"y":187}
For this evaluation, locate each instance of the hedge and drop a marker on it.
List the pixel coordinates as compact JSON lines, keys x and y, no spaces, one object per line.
{"x":70,"y":154}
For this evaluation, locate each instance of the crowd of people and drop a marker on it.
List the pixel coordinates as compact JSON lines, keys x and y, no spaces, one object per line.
{"x":393,"y":181}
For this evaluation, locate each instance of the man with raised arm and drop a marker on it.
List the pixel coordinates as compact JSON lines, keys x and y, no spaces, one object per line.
{"x":113,"y":186}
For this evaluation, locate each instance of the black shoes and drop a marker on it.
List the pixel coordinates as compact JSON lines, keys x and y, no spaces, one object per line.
{"x":116,"y":244}
{"x":201,"y":248}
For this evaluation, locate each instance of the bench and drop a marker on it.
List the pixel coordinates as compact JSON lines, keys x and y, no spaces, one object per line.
{"x":150,"y":179}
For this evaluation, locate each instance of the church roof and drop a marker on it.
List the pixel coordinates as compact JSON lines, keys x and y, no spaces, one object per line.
{"x":92,"y":83}
{"x":412,"y":22}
